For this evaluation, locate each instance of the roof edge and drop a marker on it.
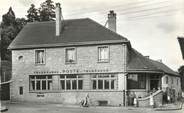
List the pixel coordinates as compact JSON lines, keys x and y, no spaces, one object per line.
{"x":67,"y":44}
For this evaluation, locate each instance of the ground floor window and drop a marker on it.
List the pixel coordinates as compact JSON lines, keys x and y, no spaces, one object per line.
{"x":71,"y":82}
{"x":103,"y":81}
{"x":40,"y":82}
{"x":20,"y":90}
{"x":136,"y":81}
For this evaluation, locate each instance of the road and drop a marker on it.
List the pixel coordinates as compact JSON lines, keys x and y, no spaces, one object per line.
{"x":57,"y":108}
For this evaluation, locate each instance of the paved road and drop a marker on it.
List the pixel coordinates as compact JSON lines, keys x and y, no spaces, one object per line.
{"x":57,"y":108}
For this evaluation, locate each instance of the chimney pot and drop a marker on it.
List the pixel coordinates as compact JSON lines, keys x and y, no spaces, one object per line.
{"x":147,"y":57}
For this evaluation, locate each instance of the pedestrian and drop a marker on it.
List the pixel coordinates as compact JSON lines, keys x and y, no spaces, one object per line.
{"x":135,"y":102}
{"x":151,"y":101}
{"x":168,"y":98}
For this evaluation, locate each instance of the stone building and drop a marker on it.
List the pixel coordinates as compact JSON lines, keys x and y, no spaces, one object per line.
{"x":181,"y":69}
{"x":62,"y":61}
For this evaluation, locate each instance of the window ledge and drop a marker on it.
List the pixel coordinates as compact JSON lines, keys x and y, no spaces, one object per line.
{"x":63,"y":91}
{"x":103,"y":62}
{"x":36,"y":64}
{"x":70,"y":62}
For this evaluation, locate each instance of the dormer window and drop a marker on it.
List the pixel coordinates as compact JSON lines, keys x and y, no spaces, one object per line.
{"x":70,"y":55}
{"x":40,"y":56}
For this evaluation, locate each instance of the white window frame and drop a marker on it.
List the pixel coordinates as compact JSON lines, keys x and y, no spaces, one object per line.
{"x":66,"y":56}
{"x":44,"y":59}
{"x":77,"y":79}
{"x":103,"y":60}
{"x":109,"y":78}
{"x":35,"y":80}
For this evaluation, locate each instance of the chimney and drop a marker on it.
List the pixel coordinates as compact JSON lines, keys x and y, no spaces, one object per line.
{"x":112,"y":21}
{"x":58,"y":19}
{"x":147,"y":57}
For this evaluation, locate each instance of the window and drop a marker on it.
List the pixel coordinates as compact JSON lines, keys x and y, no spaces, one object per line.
{"x":20,"y":90}
{"x":39,"y":56}
{"x":103,"y":82}
{"x":70,"y":55}
{"x":167,"y":80}
{"x":20,"y":58}
{"x":177,"y":81}
{"x":136,"y":81}
{"x":40,"y":82}
{"x":172,"y":80}
{"x":103,"y":54}
{"x":71,"y":82}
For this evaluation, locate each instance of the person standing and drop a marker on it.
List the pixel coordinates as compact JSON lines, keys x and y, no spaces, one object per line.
{"x":151,"y":101}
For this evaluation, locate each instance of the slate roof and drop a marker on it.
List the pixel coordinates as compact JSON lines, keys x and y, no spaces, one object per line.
{"x":75,"y":32}
{"x":181,"y":42}
{"x":139,"y":63}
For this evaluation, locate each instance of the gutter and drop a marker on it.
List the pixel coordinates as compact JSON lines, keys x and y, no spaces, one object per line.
{"x":54,"y":45}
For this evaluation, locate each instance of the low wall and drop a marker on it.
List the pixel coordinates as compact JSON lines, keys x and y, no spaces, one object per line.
{"x":157,"y":97}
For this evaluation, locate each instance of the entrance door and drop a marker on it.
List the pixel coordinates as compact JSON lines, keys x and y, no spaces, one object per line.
{"x":154,"y":84}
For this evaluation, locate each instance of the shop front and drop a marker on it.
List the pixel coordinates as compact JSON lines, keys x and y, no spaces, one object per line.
{"x":141,"y":85}
{"x":72,"y":87}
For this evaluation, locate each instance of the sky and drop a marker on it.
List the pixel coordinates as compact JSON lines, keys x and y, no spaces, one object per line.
{"x":152,"y":26}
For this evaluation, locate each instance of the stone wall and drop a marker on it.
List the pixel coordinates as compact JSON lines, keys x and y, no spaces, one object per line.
{"x":174,"y":82}
{"x":87,"y":59}
{"x":113,"y":98}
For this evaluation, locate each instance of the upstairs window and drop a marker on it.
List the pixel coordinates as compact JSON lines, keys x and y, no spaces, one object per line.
{"x":103,"y":54}
{"x":70,"y":55}
{"x":39,"y":56}
{"x":167,"y":80}
{"x":172,"y":80}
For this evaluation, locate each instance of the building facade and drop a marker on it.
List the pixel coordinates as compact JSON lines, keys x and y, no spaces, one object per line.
{"x":65,"y":61}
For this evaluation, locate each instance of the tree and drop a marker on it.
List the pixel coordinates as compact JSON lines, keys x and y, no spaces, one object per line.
{"x":46,"y":11}
{"x":9,"y":17}
{"x":10,"y":27}
{"x":32,"y":14}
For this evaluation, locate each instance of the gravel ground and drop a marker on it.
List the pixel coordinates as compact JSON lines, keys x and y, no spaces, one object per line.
{"x":58,"y":108}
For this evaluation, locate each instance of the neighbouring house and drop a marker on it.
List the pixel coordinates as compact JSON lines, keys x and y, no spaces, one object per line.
{"x":64,"y":61}
{"x":181,"y":69}
{"x":5,"y":79}
{"x":181,"y":43}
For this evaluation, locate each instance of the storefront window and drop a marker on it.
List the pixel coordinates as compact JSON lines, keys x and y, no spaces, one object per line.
{"x":136,"y":81}
{"x":73,"y":82}
{"x":40,"y":82}
{"x":103,"y":82}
